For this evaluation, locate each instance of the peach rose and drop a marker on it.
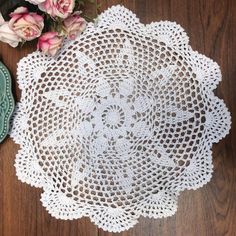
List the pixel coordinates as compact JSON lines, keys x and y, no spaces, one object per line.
{"x":49,"y":43}
{"x":74,"y":25}
{"x":25,"y":24}
{"x":60,"y":8}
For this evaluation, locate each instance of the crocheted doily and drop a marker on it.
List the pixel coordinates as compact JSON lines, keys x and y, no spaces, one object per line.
{"x":119,"y":123}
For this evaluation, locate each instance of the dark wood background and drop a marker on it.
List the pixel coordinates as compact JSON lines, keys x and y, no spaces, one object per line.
{"x":211,"y":210}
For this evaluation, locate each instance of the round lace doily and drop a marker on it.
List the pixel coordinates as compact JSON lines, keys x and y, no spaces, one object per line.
{"x":119,"y":123}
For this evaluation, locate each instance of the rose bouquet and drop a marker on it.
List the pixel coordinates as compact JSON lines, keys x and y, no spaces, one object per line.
{"x":50,"y":21}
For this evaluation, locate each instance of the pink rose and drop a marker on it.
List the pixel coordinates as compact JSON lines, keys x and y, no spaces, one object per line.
{"x":36,"y":2}
{"x":49,"y":43}
{"x":60,"y":8}
{"x":74,"y":25}
{"x":25,"y":24}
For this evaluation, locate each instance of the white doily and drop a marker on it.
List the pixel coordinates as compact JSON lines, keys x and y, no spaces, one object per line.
{"x":119,"y":123}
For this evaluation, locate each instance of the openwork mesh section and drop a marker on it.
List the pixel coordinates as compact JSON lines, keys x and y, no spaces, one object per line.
{"x":119,"y":123}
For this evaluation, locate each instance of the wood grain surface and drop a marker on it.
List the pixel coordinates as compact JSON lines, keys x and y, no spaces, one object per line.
{"x":211,"y":210}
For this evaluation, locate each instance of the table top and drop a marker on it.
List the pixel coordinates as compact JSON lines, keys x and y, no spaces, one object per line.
{"x":211,"y":210}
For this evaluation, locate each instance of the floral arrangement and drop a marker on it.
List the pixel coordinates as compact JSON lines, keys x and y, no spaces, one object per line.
{"x":51,"y":22}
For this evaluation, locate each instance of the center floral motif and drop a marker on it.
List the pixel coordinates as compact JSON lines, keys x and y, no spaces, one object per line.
{"x":113,"y":117}
{"x":114,"y":114}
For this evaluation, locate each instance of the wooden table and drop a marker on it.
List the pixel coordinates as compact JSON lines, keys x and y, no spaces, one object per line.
{"x":211,"y":210}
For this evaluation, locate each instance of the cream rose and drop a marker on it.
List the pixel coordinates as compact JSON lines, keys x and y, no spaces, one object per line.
{"x":7,"y":35}
{"x":1,"y":19}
